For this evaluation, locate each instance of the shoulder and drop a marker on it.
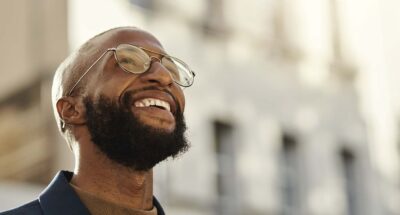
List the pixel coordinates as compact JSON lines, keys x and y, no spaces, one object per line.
{"x":31,"y":208}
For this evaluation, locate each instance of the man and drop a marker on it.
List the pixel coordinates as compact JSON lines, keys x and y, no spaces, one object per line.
{"x":118,"y":101}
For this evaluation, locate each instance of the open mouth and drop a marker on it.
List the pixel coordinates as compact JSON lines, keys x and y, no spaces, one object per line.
{"x":152,"y":102}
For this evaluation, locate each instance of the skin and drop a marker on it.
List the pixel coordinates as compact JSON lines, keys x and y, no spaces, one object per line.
{"x":94,"y":172}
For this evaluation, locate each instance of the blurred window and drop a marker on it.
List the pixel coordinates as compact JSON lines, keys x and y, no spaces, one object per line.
{"x":350,"y":180}
{"x":214,"y":21}
{"x":225,"y":178}
{"x":290,"y":176}
{"x":339,"y":65}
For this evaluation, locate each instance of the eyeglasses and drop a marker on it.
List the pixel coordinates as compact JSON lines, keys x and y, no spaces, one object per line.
{"x":134,"y":59}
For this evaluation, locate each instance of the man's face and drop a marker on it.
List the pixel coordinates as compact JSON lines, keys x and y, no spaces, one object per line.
{"x":123,"y":110}
{"x":112,"y":81}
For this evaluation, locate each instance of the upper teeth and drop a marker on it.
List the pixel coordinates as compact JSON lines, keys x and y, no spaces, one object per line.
{"x":150,"y":101}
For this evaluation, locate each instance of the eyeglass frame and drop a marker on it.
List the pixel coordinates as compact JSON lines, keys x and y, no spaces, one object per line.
{"x":151,"y":59}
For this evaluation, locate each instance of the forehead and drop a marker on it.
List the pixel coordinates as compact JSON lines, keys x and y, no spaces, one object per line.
{"x":130,"y":36}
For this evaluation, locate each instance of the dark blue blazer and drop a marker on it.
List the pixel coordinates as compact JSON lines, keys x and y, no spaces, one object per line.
{"x":59,"y":198}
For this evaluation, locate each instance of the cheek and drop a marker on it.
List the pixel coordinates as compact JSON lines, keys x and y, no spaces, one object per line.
{"x":114,"y":85}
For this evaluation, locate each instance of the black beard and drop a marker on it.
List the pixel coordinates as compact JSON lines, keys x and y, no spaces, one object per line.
{"x":124,"y":139}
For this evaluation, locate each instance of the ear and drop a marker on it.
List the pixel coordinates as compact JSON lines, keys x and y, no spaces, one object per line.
{"x":71,"y":110}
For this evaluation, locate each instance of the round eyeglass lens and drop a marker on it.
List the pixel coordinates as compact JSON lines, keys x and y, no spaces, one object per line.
{"x":132,"y":59}
{"x":180,"y":72}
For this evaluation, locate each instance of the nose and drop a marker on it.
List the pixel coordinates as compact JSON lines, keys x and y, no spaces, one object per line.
{"x":157,"y":73}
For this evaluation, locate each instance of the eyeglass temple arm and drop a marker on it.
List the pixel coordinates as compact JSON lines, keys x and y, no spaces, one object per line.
{"x":84,"y":74}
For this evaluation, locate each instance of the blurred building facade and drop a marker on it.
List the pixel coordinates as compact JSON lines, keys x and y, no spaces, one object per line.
{"x":286,"y":115}
{"x":33,"y":36}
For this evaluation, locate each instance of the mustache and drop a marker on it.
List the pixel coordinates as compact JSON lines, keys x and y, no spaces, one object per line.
{"x":127,"y":97}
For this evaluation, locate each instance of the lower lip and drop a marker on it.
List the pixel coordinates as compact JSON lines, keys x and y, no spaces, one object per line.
{"x":155,"y":112}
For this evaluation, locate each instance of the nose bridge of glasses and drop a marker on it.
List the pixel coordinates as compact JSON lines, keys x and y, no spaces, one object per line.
{"x":161,"y":67}
{"x":159,"y":60}
{"x":153,"y":58}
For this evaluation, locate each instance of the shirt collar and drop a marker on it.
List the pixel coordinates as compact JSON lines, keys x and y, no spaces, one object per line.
{"x":60,"y":198}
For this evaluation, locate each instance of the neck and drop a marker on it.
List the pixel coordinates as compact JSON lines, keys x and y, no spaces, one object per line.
{"x":96,"y":174}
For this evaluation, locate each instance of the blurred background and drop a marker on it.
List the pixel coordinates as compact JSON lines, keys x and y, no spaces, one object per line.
{"x":295,"y":108}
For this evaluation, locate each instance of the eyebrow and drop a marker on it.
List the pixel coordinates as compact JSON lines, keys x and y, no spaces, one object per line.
{"x":152,"y":51}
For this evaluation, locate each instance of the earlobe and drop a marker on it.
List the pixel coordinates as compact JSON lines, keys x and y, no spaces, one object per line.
{"x":71,"y":110}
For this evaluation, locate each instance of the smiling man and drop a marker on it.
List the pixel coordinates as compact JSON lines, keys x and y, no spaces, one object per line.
{"x":118,"y":102}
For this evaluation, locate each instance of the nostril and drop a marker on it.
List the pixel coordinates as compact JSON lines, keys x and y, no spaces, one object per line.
{"x":158,"y":81}
{"x":153,"y":81}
